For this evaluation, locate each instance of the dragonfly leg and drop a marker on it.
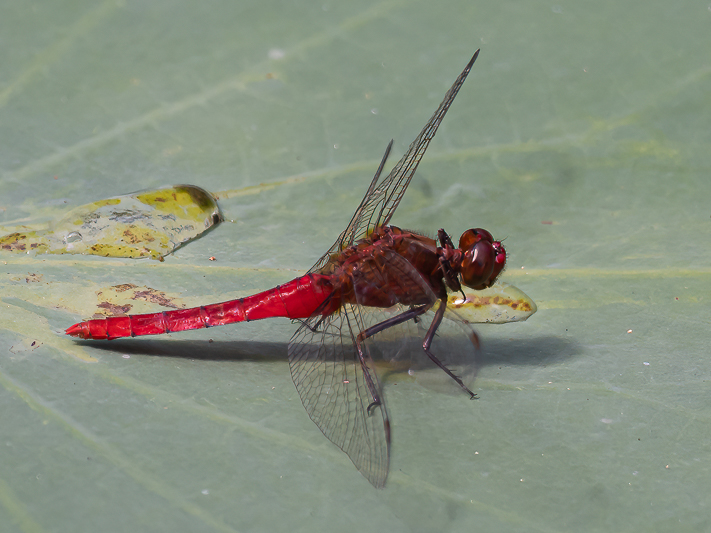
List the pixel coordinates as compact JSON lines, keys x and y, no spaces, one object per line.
{"x":439,"y":314}
{"x":451,"y":277}
{"x":444,"y":238}
{"x":377,"y":328}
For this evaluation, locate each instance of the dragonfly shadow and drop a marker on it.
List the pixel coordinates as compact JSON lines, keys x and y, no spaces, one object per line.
{"x":466,"y":363}
{"x":196,"y":349}
{"x":535,"y":351}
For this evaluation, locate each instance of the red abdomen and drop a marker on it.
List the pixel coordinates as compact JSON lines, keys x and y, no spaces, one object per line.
{"x":299,"y":298}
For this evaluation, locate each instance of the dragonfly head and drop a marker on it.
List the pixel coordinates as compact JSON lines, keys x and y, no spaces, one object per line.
{"x":483,"y":258}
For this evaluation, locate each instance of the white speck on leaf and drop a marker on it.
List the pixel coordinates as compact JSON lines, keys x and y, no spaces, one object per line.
{"x":276,"y":53}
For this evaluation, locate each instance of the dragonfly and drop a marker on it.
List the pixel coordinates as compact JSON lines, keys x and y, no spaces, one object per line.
{"x":371,"y":266}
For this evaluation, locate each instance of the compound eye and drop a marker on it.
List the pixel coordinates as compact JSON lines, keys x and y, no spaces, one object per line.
{"x":472,"y":236}
{"x":478,"y":264}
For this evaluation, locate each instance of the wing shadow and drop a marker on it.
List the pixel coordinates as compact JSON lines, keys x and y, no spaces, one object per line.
{"x":534,"y":351}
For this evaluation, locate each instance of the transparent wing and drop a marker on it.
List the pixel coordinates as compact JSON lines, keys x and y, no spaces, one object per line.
{"x":340,"y":389}
{"x":454,"y":344}
{"x":337,"y":389}
{"x":338,"y":384}
{"x":383,"y":196}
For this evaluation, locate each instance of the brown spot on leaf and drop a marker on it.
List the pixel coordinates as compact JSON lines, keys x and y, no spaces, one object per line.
{"x":112,"y":310}
{"x":154,"y":296}
{"x":124,"y":287}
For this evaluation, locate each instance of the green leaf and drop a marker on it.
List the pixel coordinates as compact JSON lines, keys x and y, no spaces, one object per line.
{"x":581,"y":137}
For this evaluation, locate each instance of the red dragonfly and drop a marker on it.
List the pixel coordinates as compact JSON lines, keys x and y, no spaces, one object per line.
{"x":372,"y":266}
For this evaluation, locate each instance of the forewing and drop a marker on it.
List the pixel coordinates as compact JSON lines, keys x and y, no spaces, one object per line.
{"x":383,"y":196}
{"x":337,"y":393}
